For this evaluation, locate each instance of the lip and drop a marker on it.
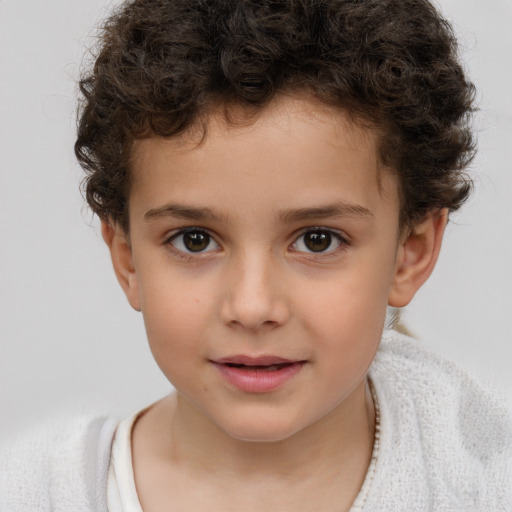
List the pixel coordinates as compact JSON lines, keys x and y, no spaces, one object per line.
{"x":264,"y":360}
{"x":260,"y":374}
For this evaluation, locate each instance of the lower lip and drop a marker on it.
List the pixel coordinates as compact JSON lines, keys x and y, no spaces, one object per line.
{"x":259,"y":381}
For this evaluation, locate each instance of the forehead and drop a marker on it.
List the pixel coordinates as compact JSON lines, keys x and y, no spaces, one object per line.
{"x":296,"y":147}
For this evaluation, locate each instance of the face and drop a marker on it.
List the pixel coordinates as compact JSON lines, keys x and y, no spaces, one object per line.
{"x":263,"y":259}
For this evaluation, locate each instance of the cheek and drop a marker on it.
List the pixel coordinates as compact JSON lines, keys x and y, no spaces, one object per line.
{"x":346,"y":338}
{"x":176,"y":314}
{"x":346,"y":318}
{"x":174,"y":331}
{"x":353,"y":302}
{"x":349,"y":330}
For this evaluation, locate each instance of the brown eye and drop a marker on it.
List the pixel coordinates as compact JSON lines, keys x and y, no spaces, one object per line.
{"x":318,"y":241}
{"x":196,"y":241}
{"x":193,"y":240}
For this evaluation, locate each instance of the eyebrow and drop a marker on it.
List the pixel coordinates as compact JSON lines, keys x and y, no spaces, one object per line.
{"x":181,"y":212}
{"x":322,"y":212}
{"x":293,"y":215}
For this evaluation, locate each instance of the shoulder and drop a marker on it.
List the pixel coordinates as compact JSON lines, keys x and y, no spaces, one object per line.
{"x":59,"y":465}
{"x":407,"y":370}
{"x":444,"y":434}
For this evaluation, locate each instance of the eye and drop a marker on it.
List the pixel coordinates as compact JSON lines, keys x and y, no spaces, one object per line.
{"x":318,"y":240}
{"x":193,"y":240}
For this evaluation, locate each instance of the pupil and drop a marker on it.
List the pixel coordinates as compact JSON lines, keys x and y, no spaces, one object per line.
{"x":196,"y":241}
{"x":317,"y":241}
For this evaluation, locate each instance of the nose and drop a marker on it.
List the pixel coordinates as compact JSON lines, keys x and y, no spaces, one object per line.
{"x":254,"y":297}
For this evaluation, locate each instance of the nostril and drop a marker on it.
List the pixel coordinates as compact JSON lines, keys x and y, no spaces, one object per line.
{"x":253,"y":300}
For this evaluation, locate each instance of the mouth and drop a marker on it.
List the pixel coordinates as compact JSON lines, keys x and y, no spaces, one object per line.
{"x":259,"y":367}
{"x":258,"y":374}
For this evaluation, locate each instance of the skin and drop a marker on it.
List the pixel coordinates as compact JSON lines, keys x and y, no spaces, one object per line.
{"x":258,"y":191}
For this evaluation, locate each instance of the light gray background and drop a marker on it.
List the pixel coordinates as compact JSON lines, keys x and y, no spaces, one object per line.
{"x":69,"y":341}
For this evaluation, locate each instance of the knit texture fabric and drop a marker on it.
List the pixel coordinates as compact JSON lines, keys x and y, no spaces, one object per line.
{"x":60,"y":466}
{"x":446,"y":441}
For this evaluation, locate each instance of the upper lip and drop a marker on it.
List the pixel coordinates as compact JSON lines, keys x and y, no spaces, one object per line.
{"x":255,"y":360}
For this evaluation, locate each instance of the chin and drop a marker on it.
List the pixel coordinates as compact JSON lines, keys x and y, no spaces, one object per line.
{"x":261,"y":431}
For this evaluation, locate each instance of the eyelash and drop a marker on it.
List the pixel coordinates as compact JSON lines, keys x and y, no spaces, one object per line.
{"x":333,"y":235}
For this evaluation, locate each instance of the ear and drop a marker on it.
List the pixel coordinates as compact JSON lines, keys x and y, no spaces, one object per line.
{"x":417,"y":256}
{"x":121,"y":254}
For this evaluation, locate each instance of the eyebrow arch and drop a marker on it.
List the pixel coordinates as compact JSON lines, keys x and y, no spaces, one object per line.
{"x":322,"y":212}
{"x":181,"y":212}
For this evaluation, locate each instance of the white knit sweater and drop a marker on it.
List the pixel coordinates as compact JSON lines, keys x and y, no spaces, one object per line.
{"x":445,"y":446}
{"x":446,"y":442}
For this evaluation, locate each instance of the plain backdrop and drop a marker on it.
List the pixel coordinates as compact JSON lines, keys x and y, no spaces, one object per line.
{"x":70,"y":342}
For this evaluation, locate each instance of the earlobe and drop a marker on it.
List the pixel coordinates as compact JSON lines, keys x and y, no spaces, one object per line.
{"x":417,"y":257}
{"x":122,"y":260}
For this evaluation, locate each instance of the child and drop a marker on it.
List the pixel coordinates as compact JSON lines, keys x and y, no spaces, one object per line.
{"x":270,"y":176}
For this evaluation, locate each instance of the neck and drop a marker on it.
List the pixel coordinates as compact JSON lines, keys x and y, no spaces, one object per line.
{"x":340,"y":443}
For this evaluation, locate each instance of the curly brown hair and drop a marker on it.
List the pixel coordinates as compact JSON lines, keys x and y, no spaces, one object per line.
{"x":161,"y":64}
